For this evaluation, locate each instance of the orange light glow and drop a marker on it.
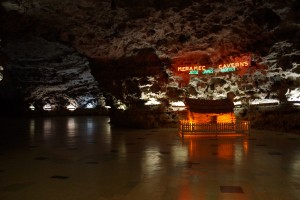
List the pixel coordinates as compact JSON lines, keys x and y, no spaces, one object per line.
{"x":184,"y":191}
{"x":225,"y":151}
{"x":245,"y":147}
{"x":200,"y":118}
{"x":209,"y":135}
{"x":198,"y":150}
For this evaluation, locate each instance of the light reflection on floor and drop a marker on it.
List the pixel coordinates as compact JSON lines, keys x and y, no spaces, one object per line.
{"x":87,"y":158}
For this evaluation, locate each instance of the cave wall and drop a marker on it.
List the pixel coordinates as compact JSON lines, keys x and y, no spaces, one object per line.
{"x":39,"y":72}
{"x":128,"y":49}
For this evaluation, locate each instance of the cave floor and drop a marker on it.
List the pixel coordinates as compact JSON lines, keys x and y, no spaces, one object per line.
{"x":84,"y":158}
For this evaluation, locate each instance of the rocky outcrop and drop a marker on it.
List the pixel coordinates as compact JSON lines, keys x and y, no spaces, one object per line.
{"x":48,"y":72}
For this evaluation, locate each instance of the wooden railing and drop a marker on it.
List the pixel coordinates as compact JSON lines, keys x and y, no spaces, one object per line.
{"x":188,"y":128}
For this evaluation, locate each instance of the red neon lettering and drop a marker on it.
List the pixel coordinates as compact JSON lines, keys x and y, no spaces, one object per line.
{"x":220,"y":66}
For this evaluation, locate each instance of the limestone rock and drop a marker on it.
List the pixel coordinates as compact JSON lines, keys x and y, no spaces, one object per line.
{"x":49,"y":72}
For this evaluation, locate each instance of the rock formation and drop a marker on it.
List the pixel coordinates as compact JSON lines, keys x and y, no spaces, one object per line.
{"x":46,"y":72}
{"x":133,"y":47}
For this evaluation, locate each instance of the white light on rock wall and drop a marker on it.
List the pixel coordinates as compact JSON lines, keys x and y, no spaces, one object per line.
{"x":90,"y":106}
{"x":152,"y":102}
{"x":31,"y":107}
{"x":264,"y":101}
{"x":293,"y":95}
{"x":71,"y":107}
{"x":178,"y":104}
{"x":47,"y":107}
{"x":238,"y":103}
{"x":121,"y":105}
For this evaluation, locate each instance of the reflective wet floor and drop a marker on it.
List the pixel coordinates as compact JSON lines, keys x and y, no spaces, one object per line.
{"x":84,"y":158}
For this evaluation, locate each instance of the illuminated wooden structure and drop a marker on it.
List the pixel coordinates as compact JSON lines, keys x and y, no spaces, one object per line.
{"x":211,"y":117}
{"x":209,"y":106}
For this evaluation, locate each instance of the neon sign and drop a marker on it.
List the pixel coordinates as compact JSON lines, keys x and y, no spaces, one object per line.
{"x":223,"y":68}
{"x":186,"y":68}
{"x":194,"y":72}
{"x":229,"y":69}
{"x":234,"y":65}
{"x":208,"y":71}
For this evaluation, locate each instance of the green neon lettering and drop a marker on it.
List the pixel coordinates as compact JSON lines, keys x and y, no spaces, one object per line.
{"x":193,"y":72}
{"x":229,"y":69}
{"x":208,"y":71}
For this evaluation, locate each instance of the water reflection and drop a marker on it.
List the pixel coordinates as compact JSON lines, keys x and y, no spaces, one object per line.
{"x":240,"y":151}
{"x":71,"y":128}
{"x":147,"y":161}
{"x":32,"y":129}
{"x":89,"y":126}
{"x":180,"y":154}
{"x":295,"y":166}
{"x":209,"y":157}
{"x":72,"y":132}
{"x":202,"y":149}
{"x":152,"y":162}
{"x":47,"y":128}
{"x":107,"y":130}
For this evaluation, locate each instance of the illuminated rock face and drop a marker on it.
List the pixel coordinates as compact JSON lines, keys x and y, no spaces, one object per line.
{"x":49,"y":72}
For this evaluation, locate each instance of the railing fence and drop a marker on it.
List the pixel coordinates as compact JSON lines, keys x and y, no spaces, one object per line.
{"x":188,"y":128}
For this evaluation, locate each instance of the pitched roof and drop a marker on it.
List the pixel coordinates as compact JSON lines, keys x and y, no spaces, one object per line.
{"x":209,"y":106}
